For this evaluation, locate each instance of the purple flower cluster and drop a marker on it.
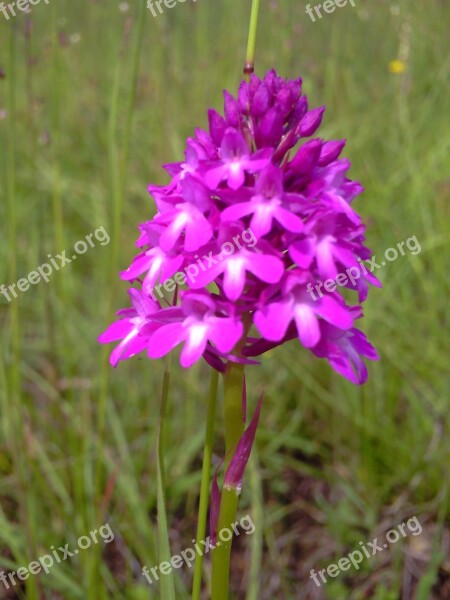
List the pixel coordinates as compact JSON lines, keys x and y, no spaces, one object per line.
{"x":254,"y":171}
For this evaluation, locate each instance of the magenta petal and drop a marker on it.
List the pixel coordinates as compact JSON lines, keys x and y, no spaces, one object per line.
{"x":289,"y":221}
{"x":266,"y":267}
{"x":262,"y":219}
{"x":139,"y":265}
{"x":198,"y":233}
{"x":236,"y":468}
{"x":306,"y":158}
{"x":342,"y":365}
{"x":161,"y":271}
{"x":143,"y":305}
{"x":273,"y":320}
{"x":363,"y":346}
{"x":340,"y":204}
{"x":231,"y":108}
{"x":128,"y":341}
{"x":302,"y":253}
{"x":214,"y":176}
{"x":345,"y":257}
{"x":225,"y":333}
{"x":311,"y":121}
{"x":351,"y":189}
{"x":307,"y":325}
{"x":270,"y":131}
{"x":270,"y":182}
{"x":235,"y":212}
{"x":154,"y":274}
{"x":195,"y":193}
{"x":261,"y":101}
{"x":330,"y":152}
{"x":234,"y":278}
{"x":335,"y":313}
{"x":128,"y":348}
{"x":197,"y":279}
{"x":236,"y":175}
{"x":360,"y":368}
{"x":325,"y":259}
{"x":234,"y":146}
{"x":209,"y":149}
{"x":165,"y":339}
{"x":258,"y":164}
{"x":343,"y":349}
{"x":196,"y":339}
{"x":217,"y":126}
{"x":173,"y":231}
{"x":116,"y":331}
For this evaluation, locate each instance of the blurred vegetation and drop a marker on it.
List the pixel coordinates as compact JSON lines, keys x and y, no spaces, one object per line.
{"x":94,"y":97}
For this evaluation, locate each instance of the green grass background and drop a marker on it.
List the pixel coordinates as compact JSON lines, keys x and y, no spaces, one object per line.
{"x":92,"y":102}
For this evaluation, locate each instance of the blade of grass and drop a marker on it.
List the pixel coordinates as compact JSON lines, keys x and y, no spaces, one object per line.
{"x":117,"y":172}
{"x":256,"y":543}
{"x":167,"y":582}
{"x":205,"y":483}
{"x":15,"y":413}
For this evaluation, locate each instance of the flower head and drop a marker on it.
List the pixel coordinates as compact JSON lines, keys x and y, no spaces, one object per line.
{"x":254,"y":217}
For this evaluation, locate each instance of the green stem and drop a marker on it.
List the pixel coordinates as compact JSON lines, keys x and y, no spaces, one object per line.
{"x":250,"y":60}
{"x":234,"y":418}
{"x":205,"y":483}
{"x":234,"y":429}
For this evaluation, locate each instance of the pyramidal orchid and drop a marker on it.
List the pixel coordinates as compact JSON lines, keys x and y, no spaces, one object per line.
{"x":256,"y":217}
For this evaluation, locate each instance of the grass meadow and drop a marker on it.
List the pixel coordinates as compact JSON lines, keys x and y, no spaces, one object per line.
{"x":94,"y":97}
